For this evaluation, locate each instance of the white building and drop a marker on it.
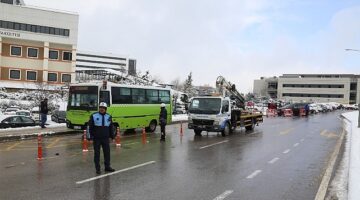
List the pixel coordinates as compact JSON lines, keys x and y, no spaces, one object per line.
{"x":37,"y":45}
{"x":90,"y":65}
{"x":341,"y":88}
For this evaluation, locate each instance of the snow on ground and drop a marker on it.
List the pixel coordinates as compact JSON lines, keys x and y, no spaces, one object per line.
{"x":354,"y":162}
{"x":180,"y":117}
{"x":338,"y":188}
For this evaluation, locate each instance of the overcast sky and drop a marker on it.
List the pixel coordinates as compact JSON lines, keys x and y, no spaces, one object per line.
{"x":239,"y":39}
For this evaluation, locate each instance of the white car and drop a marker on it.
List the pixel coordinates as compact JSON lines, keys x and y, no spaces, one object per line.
{"x":23,"y":113}
{"x":35,"y":114}
{"x":314,"y":108}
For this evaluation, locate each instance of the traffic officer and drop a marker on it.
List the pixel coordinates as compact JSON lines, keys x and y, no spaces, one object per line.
{"x":101,"y":129}
{"x":163,"y":119}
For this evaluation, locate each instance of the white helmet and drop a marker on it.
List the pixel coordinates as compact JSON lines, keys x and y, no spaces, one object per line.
{"x":103,"y":104}
{"x":162,"y":105}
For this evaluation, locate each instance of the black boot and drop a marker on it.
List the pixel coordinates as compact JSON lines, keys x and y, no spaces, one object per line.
{"x":109,"y":169}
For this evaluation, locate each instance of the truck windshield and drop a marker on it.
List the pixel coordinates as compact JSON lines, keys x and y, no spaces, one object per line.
{"x":205,"y":106}
{"x":83,"y":97}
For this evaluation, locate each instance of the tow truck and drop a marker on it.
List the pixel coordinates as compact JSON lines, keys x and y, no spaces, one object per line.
{"x":222,"y":112}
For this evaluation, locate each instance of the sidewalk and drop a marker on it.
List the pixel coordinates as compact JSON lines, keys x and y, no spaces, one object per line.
{"x":55,"y":129}
{"x":354,"y":161}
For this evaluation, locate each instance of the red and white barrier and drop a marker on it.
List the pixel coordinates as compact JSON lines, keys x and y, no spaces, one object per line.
{"x":271,"y":113}
{"x":288,"y":113}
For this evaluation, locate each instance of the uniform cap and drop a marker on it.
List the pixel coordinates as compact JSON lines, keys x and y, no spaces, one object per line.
{"x":162,"y":105}
{"x":103,"y":104}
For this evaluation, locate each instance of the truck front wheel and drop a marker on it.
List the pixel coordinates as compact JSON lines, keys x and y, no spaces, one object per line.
{"x":197,"y":132}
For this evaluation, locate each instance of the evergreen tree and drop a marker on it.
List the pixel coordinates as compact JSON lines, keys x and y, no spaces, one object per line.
{"x":188,"y":87}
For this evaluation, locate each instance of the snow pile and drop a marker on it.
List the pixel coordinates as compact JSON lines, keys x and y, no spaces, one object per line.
{"x":178,"y":118}
{"x":338,"y":188}
{"x":354,"y":164}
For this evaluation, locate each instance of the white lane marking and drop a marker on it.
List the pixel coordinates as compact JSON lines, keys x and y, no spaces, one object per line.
{"x":116,"y":172}
{"x":286,"y":151}
{"x":274,"y":160}
{"x":255,"y":173}
{"x":296,"y":144}
{"x":224,"y":195}
{"x":302,"y":140}
{"x":210,"y":145}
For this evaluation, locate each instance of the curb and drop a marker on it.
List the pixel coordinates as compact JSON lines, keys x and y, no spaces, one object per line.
{"x":34,"y":135}
{"x":323,"y":188}
{"x":8,"y":138}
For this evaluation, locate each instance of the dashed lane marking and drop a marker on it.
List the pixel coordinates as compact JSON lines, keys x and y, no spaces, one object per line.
{"x":296,"y":144}
{"x":53,"y":143}
{"x":224,"y":195}
{"x":274,"y":160}
{"x":286,"y":151}
{"x":287,"y":131}
{"x":254,"y":174}
{"x":116,"y":172}
{"x":210,"y":145}
{"x":302,"y":140}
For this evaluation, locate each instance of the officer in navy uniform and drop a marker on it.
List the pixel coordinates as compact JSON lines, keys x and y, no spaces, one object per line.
{"x":101,"y":130}
{"x":163,"y":119}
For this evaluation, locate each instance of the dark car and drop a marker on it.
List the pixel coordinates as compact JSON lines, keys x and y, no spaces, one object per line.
{"x":59,"y":116}
{"x":296,"y":108}
{"x":15,"y":121}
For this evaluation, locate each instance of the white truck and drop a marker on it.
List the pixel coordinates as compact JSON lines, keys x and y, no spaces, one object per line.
{"x":221,"y":113}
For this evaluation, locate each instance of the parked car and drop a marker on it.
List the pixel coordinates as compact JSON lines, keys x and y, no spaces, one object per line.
{"x":23,"y":113}
{"x":180,"y":109}
{"x":35,"y":114}
{"x":296,"y":108}
{"x":11,"y":111}
{"x":15,"y":121}
{"x":59,"y":117}
{"x":314,"y":108}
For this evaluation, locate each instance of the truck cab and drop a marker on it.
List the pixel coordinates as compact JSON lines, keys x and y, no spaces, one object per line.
{"x":211,"y":114}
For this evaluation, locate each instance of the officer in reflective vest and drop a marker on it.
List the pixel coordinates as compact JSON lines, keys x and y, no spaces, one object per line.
{"x":101,"y":130}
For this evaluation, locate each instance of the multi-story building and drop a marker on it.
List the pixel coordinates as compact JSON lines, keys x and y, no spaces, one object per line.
{"x":37,"y":45}
{"x":266,"y":87}
{"x":341,"y":88}
{"x":94,"y":66}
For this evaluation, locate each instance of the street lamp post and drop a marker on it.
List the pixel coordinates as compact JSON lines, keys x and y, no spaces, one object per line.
{"x":357,"y":50}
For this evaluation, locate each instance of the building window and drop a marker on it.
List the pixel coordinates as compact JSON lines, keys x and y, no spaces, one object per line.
{"x":34,"y":28}
{"x":53,"y":55}
{"x":33,"y":52}
{"x":67,"y":56}
{"x":52,"y":77}
{"x":66,"y":78}
{"x":15,"y":50}
{"x":31,"y":75}
{"x":15,"y":74}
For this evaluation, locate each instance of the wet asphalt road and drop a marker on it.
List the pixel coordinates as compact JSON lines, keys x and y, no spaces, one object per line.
{"x":283,"y":158}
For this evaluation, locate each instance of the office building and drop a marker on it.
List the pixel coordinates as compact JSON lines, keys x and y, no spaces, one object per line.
{"x":37,"y":45}
{"x":341,"y":88}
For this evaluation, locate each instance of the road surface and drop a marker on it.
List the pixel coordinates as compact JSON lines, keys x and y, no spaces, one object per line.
{"x":283,"y":158}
